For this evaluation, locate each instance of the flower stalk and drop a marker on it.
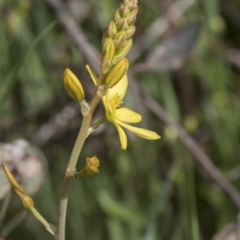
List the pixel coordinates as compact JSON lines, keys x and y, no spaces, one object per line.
{"x":115,"y":46}
{"x":71,"y":168}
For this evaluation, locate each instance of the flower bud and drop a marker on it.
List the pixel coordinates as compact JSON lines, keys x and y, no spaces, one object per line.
{"x":91,"y":168}
{"x":131,"y":20}
{"x":108,"y":54}
{"x":120,"y":40}
{"x":112,"y":29}
{"x":130,"y":31}
{"x":122,"y":24}
{"x":123,"y":51}
{"x":117,"y":16}
{"x":132,"y":6}
{"x":125,"y":11}
{"x":72,"y":85}
{"x":116,"y":73}
{"x":26,"y":199}
{"x":128,"y":8}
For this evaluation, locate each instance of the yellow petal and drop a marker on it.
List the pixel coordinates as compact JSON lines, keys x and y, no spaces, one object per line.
{"x":109,"y":111}
{"x":119,"y":89}
{"x":141,"y":132}
{"x":93,"y":75}
{"x":127,"y":115}
{"x":122,"y":136}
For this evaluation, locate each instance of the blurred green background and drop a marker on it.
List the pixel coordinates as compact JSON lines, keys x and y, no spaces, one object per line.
{"x":154,"y":190}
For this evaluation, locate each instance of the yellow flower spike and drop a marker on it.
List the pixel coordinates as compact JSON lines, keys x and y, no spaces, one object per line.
{"x":123,"y":51}
{"x":121,"y":30}
{"x":91,"y":168}
{"x":26,"y":199}
{"x":108,"y":55}
{"x":117,"y":16}
{"x":72,"y":85}
{"x":116,"y":73}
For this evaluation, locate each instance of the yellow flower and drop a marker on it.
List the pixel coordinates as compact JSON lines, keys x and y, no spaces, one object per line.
{"x":119,"y":116}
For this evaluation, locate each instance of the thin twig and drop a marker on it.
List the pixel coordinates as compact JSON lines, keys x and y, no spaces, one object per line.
{"x":194,"y":148}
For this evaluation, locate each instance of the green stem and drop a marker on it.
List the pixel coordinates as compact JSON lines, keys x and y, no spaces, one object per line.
{"x":82,"y":135}
{"x":96,"y":125}
{"x":47,"y":225}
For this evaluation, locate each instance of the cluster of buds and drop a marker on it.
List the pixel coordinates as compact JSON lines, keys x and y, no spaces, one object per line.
{"x":117,"y":41}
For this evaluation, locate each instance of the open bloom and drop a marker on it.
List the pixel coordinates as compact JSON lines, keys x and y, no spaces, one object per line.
{"x":120,"y":116}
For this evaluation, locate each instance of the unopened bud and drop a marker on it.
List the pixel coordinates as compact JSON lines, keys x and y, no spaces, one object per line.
{"x":120,"y":39}
{"x":116,"y":73}
{"x":128,"y":8}
{"x":91,"y":168}
{"x":112,"y":29}
{"x":125,"y":11}
{"x":26,"y":199}
{"x":130,"y":31}
{"x":132,"y":6}
{"x":131,"y":19}
{"x":117,"y":16}
{"x":122,"y":24}
{"x":108,"y":55}
{"x":72,"y":85}
{"x":123,"y":51}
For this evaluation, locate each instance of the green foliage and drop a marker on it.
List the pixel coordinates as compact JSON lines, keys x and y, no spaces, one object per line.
{"x":154,"y":190}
